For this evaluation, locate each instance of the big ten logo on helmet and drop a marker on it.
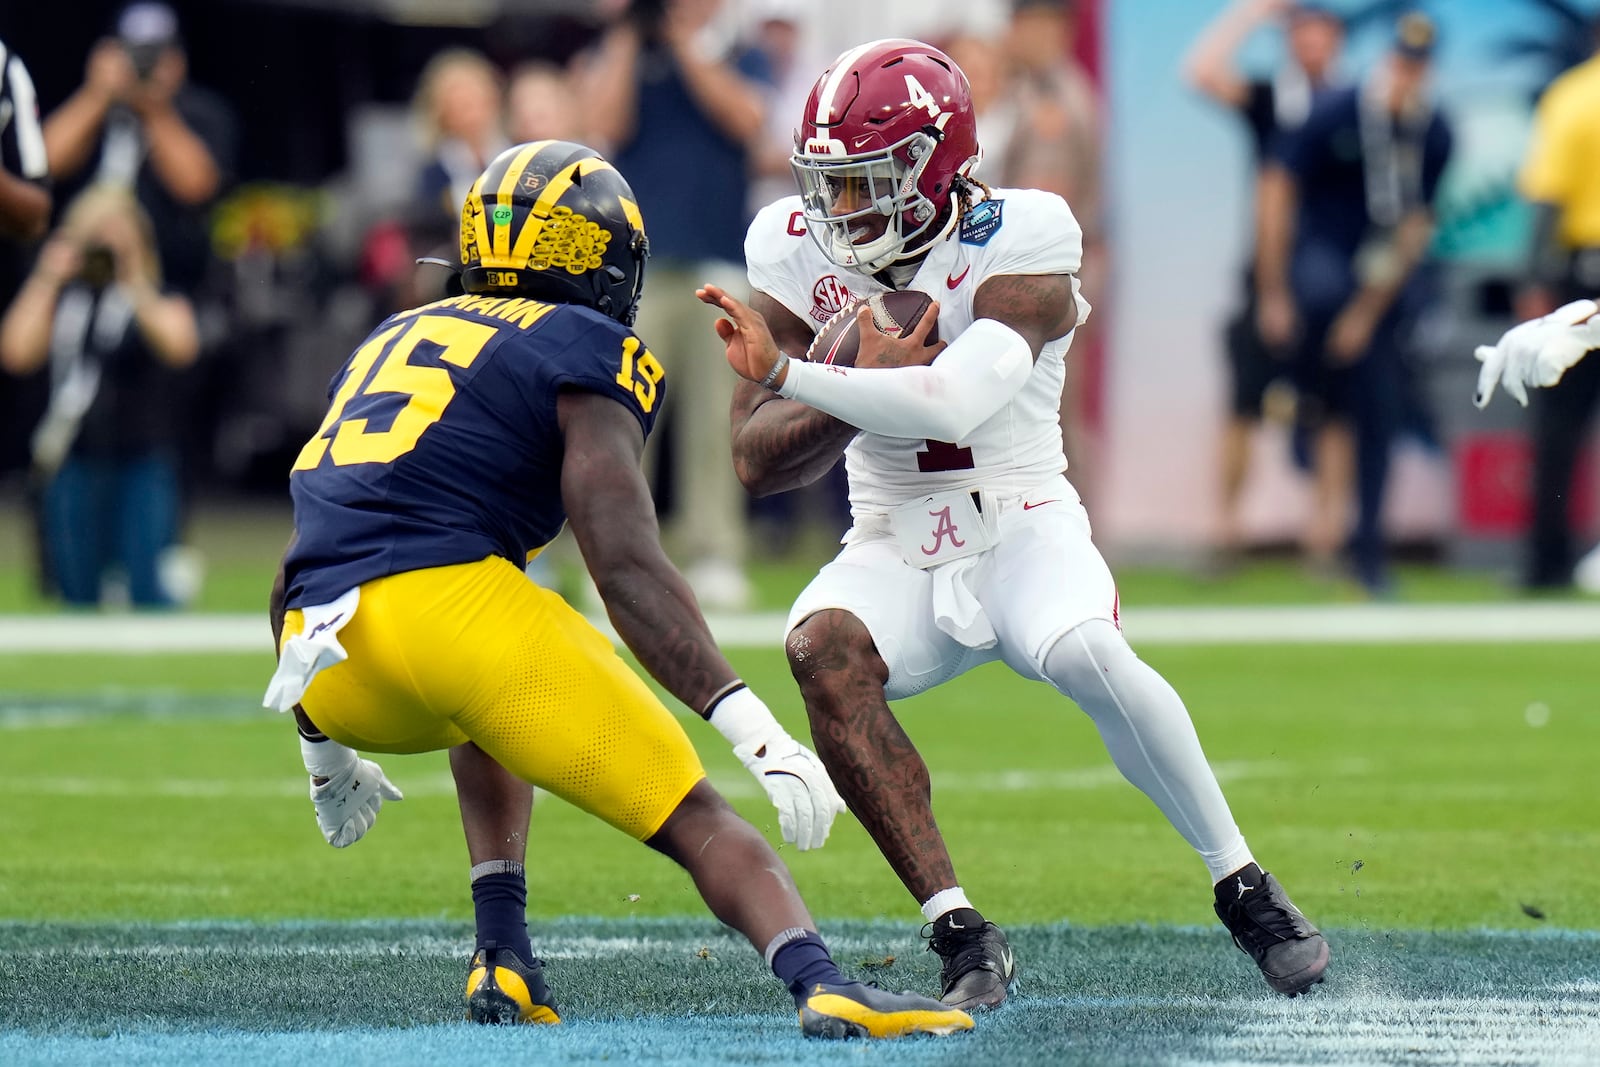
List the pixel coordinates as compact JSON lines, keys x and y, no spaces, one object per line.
{"x":570,"y":242}
{"x":501,"y":277}
{"x":828,"y":297}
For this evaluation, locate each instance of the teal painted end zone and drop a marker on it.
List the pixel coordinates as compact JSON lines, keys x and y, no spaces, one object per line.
{"x":685,"y":992}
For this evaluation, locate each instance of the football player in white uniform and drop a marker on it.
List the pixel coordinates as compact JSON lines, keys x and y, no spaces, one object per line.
{"x":1534,"y":355}
{"x":968,"y":543}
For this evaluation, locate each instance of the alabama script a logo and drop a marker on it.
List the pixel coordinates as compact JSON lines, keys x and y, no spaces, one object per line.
{"x":945,"y":527}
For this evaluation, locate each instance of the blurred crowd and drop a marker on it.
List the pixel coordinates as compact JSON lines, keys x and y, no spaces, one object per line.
{"x":171,"y":327}
{"x":1340,"y":280}
{"x":176,"y":328}
{"x":1347,"y":172}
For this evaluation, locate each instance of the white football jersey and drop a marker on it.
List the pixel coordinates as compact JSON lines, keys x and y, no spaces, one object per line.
{"x":1017,"y":231}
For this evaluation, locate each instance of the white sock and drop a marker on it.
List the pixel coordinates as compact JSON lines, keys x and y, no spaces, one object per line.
{"x":945,"y":900}
{"x":1150,"y":737}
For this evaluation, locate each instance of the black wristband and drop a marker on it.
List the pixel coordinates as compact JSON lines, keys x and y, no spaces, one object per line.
{"x":720,"y":695}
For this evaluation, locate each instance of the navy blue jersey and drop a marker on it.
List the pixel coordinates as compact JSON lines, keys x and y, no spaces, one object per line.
{"x":1331,"y":158}
{"x":441,"y":444}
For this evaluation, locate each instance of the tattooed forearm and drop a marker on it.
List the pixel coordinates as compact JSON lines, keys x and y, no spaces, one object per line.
{"x":663,"y":628}
{"x":613,"y":518}
{"x":782,"y":444}
{"x":872,"y":762}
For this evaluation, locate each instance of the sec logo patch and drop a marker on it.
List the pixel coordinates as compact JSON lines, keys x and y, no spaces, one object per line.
{"x":828,"y":297}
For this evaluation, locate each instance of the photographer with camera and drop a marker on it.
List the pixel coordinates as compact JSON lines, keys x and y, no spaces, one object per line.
{"x":137,"y":122}
{"x":680,"y":109}
{"x":105,"y":453}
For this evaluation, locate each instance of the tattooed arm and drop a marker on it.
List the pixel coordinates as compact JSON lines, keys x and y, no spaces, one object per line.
{"x":1040,"y":307}
{"x":782,"y":444}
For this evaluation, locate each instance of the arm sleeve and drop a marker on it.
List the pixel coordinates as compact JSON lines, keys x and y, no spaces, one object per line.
{"x":944,"y":401}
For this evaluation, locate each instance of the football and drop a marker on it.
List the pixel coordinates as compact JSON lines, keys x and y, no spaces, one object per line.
{"x":895,"y":313}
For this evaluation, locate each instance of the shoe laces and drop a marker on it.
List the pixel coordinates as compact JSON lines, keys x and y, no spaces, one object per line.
{"x":962,"y":951}
{"x":1258,"y":920}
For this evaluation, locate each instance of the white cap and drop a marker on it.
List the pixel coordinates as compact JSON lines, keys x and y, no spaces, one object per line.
{"x":148,"y":22}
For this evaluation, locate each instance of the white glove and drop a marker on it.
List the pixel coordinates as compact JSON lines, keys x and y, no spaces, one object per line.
{"x":795,"y":780}
{"x":1538,"y":352}
{"x":347,"y":803}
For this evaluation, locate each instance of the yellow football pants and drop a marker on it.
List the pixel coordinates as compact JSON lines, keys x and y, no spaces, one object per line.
{"x":477,"y":652}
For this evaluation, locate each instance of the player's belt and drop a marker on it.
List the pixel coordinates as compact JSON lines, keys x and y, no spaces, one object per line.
{"x":941,"y":527}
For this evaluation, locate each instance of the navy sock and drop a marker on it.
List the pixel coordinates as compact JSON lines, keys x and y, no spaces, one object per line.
{"x":500,"y":902}
{"x":802,"y":961}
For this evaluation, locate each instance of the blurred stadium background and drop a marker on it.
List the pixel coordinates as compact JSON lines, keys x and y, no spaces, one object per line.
{"x":165,"y":898}
{"x":310,"y":242}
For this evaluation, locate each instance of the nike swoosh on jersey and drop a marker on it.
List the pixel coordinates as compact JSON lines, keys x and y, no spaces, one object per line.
{"x":324,"y":624}
{"x":1029,"y":505}
{"x":954,"y":280}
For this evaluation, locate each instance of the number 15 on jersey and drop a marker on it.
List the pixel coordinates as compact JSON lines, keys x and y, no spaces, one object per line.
{"x":641,"y":372}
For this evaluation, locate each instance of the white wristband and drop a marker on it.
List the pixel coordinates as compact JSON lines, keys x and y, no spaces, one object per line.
{"x":326,"y":759}
{"x":744,"y":719}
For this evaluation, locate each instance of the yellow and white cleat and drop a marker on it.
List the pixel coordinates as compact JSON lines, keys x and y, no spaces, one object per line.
{"x":503,"y":991}
{"x":858,"y":1010}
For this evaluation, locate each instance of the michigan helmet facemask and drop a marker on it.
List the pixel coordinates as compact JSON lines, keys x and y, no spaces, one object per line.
{"x":554,"y":221}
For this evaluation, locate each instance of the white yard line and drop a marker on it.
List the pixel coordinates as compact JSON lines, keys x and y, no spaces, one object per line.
{"x":730,"y":783}
{"x":1504,"y":623}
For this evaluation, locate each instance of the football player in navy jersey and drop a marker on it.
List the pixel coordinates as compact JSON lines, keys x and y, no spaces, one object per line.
{"x":460,"y":437}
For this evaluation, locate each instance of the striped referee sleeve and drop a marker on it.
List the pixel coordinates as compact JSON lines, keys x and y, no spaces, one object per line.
{"x":21,"y":139}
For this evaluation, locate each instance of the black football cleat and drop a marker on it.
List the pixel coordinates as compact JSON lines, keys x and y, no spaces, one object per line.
{"x":857,"y":1010}
{"x":504,"y":991}
{"x":977,"y":971}
{"x":1291,"y":953}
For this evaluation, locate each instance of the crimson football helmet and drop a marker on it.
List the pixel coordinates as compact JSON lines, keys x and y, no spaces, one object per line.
{"x":887,"y":131}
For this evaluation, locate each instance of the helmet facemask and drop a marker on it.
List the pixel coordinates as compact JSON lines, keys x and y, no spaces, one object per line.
{"x":844,"y":197}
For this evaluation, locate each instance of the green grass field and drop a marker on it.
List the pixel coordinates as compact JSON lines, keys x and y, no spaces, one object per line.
{"x":1390,"y":788}
{"x":165,"y":896}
